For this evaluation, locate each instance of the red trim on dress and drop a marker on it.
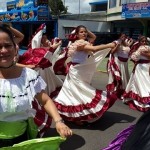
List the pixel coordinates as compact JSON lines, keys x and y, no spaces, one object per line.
{"x":79,"y":108}
{"x":40,"y":117}
{"x":55,"y":93}
{"x":116,"y":84}
{"x":144,"y":100}
{"x":59,"y":66}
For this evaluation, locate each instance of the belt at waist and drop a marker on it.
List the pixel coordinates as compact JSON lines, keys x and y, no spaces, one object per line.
{"x":141,"y":61}
{"x":69,"y":64}
{"x":123,"y":59}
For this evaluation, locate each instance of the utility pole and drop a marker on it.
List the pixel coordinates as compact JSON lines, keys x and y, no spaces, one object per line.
{"x":64,"y":2}
{"x":79,"y":6}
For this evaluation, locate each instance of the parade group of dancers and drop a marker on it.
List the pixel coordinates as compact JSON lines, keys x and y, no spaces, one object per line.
{"x":72,"y":99}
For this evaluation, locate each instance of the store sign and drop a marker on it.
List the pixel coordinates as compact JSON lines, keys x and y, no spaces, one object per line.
{"x":11,"y":5}
{"x":26,"y":10}
{"x":136,"y":10}
{"x":43,"y":13}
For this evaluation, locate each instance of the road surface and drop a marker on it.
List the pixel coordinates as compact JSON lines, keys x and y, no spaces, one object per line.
{"x":99,"y":134}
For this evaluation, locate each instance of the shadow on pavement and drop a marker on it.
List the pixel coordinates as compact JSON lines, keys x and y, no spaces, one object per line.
{"x":106,"y":121}
{"x":72,"y":143}
{"x":111,"y":118}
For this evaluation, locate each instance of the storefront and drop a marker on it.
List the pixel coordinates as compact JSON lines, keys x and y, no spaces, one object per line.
{"x":27,"y":16}
{"x":132,"y":28}
{"x":140,"y":13}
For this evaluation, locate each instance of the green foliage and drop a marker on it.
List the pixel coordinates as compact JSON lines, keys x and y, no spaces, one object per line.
{"x":57,"y":7}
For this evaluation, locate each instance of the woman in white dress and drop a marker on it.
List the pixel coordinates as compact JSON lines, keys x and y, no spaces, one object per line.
{"x":18,"y":89}
{"x":40,"y":57}
{"x":78,"y":101}
{"x":118,"y":66}
{"x":137,"y":93}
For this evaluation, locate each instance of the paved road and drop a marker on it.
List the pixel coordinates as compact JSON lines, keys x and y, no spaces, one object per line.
{"x":100,"y":133}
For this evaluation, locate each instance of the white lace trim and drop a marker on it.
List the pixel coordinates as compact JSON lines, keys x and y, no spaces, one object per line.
{"x":17,"y":94}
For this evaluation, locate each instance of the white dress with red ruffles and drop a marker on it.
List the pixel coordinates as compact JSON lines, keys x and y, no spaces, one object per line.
{"x":78,"y":100}
{"x":137,"y":93}
{"x":118,"y":70}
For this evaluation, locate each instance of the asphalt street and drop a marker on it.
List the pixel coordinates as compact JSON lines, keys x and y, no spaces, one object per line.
{"x":98,"y":135}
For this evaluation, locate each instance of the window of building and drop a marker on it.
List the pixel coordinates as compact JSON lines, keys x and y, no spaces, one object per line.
{"x":126,"y":1}
{"x":101,"y":7}
{"x":68,"y":30}
{"x":112,"y":3}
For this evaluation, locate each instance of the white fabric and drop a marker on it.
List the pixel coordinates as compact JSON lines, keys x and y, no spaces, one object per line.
{"x":79,"y":57}
{"x":36,"y":41}
{"x":49,"y":76}
{"x":137,"y":54}
{"x":56,"y":55}
{"x":77,"y":90}
{"x":139,"y":84}
{"x":16,"y":95}
{"x":123,"y":66}
{"x":123,"y":52}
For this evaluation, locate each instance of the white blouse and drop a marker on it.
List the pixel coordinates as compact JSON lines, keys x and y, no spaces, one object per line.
{"x":17,"y":94}
{"x":78,"y":56}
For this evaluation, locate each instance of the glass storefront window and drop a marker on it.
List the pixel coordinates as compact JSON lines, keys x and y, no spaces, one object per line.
{"x":112,"y":3}
{"x":126,"y":1}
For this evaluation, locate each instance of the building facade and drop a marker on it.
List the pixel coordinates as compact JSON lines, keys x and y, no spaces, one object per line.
{"x":124,"y":21}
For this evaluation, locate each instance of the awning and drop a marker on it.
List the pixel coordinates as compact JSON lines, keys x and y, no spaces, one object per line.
{"x":98,"y":3}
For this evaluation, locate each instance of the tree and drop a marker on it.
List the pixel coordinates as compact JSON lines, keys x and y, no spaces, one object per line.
{"x":57,"y":7}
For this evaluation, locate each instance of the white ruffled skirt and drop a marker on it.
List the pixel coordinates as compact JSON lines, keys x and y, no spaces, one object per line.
{"x":78,"y":100}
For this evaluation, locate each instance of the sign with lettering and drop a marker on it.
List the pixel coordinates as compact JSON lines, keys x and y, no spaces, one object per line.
{"x":25,"y":10}
{"x":136,"y":10}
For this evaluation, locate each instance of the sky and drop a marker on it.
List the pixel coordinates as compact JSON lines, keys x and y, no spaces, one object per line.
{"x":74,"y":5}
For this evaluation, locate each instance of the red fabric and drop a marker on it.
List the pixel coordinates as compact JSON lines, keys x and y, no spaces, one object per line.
{"x":72,"y":109}
{"x":139,"y":62}
{"x":117,"y":81}
{"x":41,"y":117}
{"x":123,"y":59}
{"x":35,"y":57}
{"x":59,"y":66}
{"x":52,"y":42}
{"x":55,"y":93}
{"x":144,"y":100}
{"x":134,"y":48}
{"x":135,"y":107}
{"x":68,"y":66}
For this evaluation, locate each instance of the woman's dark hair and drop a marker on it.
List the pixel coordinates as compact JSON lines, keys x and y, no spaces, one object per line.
{"x":78,"y":28}
{"x":73,"y":36}
{"x":6,"y":28}
{"x":120,"y":34}
{"x":142,"y":38}
{"x":45,"y":34}
{"x":136,"y":46}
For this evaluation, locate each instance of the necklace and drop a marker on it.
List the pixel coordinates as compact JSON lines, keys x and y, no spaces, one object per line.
{"x":1,"y":67}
